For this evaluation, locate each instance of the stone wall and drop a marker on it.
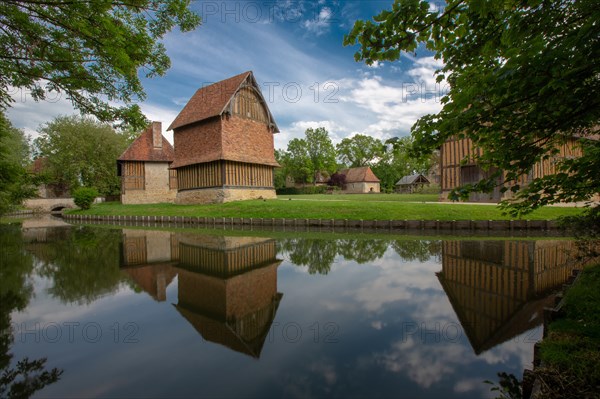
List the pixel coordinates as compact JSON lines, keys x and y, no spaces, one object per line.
{"x":355,"y":188}
{"x":221,"y":195}
{"x":156,"y":186}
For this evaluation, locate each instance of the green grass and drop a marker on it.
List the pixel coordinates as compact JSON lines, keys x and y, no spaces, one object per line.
{"x":571,"y":352}
{"x":366,"y":207}
{"x":365,"y":197}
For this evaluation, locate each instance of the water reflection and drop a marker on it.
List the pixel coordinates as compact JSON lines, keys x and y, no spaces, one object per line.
{"x":24,"y":377}
{"x":227,"y":286}
{"x":499,"y":289}
{"x":148,"y":259}
{"x":387,"y":318}
{"x":319,"y":254}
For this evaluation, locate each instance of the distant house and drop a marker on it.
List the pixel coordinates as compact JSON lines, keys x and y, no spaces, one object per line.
{"x":360,"y":180}
{"x":144,"y":169}
{"x":224,"y":144}
{"x":410,"y":184}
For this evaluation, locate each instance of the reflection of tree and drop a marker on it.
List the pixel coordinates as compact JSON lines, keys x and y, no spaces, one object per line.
{"x":420,"y":250}
{"x":16,"y":266}
{"x":362,"y":251}
{"x":318,"y":255}
{"x":83,"y":266}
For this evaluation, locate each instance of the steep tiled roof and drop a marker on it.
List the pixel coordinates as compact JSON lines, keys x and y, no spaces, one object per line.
{"x":209,"y":101}
{"x":357,"y":175}
{"x":142,"y":149}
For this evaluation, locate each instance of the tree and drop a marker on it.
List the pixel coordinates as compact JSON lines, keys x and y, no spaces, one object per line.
{"x":359,"y":150}
{"x":92,"y":52}
{"x":81,"y":152}
{"x":524,"y":78}
{"x":15,"y":181}
{"x":297,"y":162}
{"x":397,"y":160}
{"x":321,"y":151}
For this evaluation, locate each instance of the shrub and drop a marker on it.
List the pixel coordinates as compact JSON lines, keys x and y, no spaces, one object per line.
{"x":302,"y":190}
{"x":84,"y":197}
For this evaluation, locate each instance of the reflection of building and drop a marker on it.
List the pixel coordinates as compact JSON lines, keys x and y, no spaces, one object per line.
{"x":147,"y":259}
{"x":228,"y":289}
{"x":498,"y":289}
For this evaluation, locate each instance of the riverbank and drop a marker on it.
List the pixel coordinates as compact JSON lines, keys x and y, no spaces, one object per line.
{"x":366,"y":208}
{"x":570,"y":353}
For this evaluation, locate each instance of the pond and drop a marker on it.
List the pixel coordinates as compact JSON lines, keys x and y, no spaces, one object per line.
{"x":130,"y":312}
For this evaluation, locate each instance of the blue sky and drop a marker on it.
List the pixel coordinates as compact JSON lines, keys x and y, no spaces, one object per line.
{"x":295,"y":50}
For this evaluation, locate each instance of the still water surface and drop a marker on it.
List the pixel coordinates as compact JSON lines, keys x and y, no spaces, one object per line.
{"x":123,"y":312}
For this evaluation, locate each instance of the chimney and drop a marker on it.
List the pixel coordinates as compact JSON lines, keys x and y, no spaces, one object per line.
{"x":157,"y":135}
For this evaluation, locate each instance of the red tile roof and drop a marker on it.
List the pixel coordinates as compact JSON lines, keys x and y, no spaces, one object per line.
{"x":142,"y":149}
{"x":358,"y":175}
{"x":209,"y":101}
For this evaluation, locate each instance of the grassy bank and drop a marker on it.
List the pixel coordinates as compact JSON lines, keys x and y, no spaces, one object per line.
{"x":571,"y":351}
{"x":366,"y":207}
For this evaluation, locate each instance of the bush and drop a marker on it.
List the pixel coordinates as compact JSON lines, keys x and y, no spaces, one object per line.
{"x":302,"y":190}
{"x":84,"y":197}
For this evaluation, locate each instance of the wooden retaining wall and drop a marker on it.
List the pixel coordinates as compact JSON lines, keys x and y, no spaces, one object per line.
{"x":450,"y":226}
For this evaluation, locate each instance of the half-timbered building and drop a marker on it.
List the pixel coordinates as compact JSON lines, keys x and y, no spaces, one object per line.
{"x":459,"y":166}
{"x":224,"y":144}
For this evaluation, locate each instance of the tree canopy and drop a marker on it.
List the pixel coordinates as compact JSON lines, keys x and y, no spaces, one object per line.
{"x":14,"y":159}
{"x":309,"y":157}
{"x":81,"y":151}
{"x":524,"y":78}
{"x":359,"y":150}
{"x":92,"y":52}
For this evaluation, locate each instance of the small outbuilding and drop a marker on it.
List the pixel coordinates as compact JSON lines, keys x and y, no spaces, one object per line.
{"x":360,"y":180}
{"x":410,"y":184}
{"x":144,"y":167}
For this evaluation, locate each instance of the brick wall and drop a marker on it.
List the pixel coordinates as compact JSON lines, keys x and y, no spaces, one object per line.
{"x":246,"y":140}
{"x":198,"y":143}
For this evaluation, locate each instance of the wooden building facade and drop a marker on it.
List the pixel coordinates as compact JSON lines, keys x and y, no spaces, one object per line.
{"x":224,"y":147}
{"x":146,"y":176}
{"x":459,"y":167}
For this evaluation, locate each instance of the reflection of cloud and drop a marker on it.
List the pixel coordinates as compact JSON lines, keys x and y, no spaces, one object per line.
{"x":378,"y":324}
{"x":520,"y":347}
{"x":317,"y":380}
{"x":424,"y":364}
{"x":474,"y":385}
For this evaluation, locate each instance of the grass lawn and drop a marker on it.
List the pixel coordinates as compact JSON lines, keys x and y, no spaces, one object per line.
{"x":366,"y":207}
{"x":571,"y":352}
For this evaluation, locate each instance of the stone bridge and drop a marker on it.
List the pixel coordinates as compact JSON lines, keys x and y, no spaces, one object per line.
{"x":49,"y":204}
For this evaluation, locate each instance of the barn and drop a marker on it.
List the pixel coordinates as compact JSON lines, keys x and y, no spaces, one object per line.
{"x":224,"y":144}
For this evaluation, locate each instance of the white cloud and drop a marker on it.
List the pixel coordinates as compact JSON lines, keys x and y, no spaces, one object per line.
{"x":320,"y":24}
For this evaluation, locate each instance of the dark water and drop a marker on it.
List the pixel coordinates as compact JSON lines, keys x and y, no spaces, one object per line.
{"x":142,"y":313}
